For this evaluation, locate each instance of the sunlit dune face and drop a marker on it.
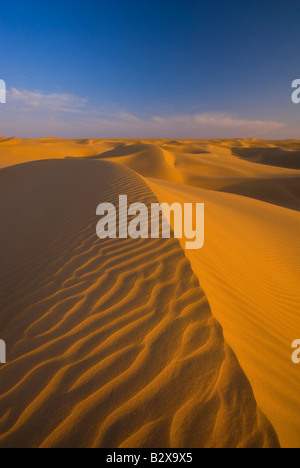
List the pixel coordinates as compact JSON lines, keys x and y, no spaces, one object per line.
{"x":141,"y":342}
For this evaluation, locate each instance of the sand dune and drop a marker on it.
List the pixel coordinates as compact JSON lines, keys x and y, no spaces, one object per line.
{"x":250,"y":271}
{"x":113,"y":343}
{"x":270,"y":156}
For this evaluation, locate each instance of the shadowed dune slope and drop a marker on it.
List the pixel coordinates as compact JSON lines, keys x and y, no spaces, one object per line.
{"x":265,"y":170}
{"x":216,"y":165}
{"x":270,"y":156}
{"x":110,"y":343}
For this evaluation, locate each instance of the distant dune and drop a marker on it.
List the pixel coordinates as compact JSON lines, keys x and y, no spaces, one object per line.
{"x":119,"y":343}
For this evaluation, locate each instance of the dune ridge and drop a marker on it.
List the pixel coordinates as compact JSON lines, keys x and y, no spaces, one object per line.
{"x":111,"y":343}
{"x":249,"y":267}
{"x":250,"y":271}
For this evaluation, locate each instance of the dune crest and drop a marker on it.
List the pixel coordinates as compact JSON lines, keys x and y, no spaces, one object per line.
{"x":249,"y":268}
{"x":110,"y":343}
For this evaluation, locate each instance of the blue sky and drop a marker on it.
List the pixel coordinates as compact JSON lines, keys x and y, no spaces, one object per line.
{"x":168,"y":68}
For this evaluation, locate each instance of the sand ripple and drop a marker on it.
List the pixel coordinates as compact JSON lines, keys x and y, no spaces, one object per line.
{"x":110,"y":343}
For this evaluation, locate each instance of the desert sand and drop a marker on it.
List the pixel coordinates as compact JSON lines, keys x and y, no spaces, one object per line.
{"x":141,"y":343}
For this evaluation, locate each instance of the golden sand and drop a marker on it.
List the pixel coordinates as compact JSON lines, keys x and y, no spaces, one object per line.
{"x":119,"y":343}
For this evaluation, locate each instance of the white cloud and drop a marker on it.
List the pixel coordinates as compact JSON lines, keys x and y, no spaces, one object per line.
{"x":34,"y":114}
{"x":57,"y":102}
